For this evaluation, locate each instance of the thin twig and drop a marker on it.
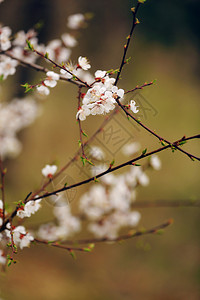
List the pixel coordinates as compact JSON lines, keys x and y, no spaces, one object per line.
{"x":3,"y":172}
{"x":109,"y":170}
{"x":129,"y":235}
{"x":37,"y":67}
{"x":134,"y":23}
{"x":161,"y":139}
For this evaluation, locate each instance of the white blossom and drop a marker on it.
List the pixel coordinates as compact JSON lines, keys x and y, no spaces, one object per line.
{"x":69,"y":40}
{"x":83,"y":63}
{"x":67,"y":224}
{"x":29,"y":208}
{"x":133,"y":107}
{"x":96,"y":153}
{"x":75,"y":21}
{"x":155,"y":162}
{"x":101,"y":97}
{"x":2,"y":257}
{"x":43,"y":90}
{"x":57,"y":52}
{"x":51,"y":79}
{"x":21,"y":237}
{"x":130,"y":149}
{"x":49,"y":170}
{"x":14,"y":116}
{"x":5,"y":33}
{"x":83,"y":112}
{"x":7,"y":67}
{"x":100,"y":74}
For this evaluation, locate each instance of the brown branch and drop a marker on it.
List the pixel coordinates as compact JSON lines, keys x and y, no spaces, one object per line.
{"x":80,"y":127}
{"x":3,"y":172}
{"x":37,"y":67}
{"x":134,"y":23}
{"x":109,"y":170}
{"x":59,"y":245}
{"x":161,"y":139}
{"x":166,"y":204}
{"x":120,"y":238}
{"x":62,"y":68}
{"x":139,"y":87}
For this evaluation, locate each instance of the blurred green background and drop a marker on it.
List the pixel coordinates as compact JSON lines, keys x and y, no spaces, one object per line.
{"x":165,"y":47}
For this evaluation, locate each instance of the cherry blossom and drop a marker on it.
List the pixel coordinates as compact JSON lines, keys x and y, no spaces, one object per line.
{"x":51,"y":79}
{"x":133,"y":107}
{"x":7,"y":67}
{"x":155,"y":162}
{"x":130,"y":149}
{"x":69,"y":40}
{"x":49,"y":170}
{"x":83,"y":63}
{"x":5,"y":33}
{"x":2,"y":257}
{"x":21,"y":237}
{"x":57,"y":52}
{"x":43,"y":90}
{"x":29,"y":208}
{"x":75,"y":21}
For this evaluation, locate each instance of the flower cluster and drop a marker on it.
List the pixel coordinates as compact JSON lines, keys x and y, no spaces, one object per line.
{"x":14,"y":116}
{"x":79,"y":70}
{"x":108,"y":204}
{"x":26,"y":210}
{"x":19,"y":236}
{"x":66,"y":223}
{"x":101,"y":97}
{"x":50,"y":81}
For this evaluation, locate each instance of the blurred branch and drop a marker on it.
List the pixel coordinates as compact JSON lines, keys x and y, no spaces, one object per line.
{"x":166,"y":204}
{"x":129,"y":235}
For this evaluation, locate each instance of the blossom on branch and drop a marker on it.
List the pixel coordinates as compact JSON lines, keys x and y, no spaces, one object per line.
{"x":51,"y":79}
{"x":83,"y":63}
{"x":132,"y":106}
{"x":49,"y":170}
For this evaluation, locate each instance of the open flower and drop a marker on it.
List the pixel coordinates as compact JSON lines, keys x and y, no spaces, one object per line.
{"x":83,"y":63}
{"x":43,"y":90}
{"x":49,"y":171}
{"x":132,"y":106}
{"x":51,"y":79}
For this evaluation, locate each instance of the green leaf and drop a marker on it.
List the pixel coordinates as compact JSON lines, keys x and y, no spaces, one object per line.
{"x":163,"y":143}
{"x":182,"y":142}
{"x":96,"y":180}
{"x":46,"y":55}
{"x":87,"y":249}
{"x":159,"y":231}
{"x":144,"y":151}
{"x":9,"y":262}
{"x":30,"y":46}
{"x":72,"y":254}
{"x":27,"y":87}
{"x":89,"y":162}
{"x":1,"y":77}
{"x":83,"y":132}
{"x":79,"y":143}
{"x":83,"y":159}
{"x":112,"y":163}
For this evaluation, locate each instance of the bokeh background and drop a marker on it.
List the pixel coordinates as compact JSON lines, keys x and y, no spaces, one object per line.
{"x":165,"y":47}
